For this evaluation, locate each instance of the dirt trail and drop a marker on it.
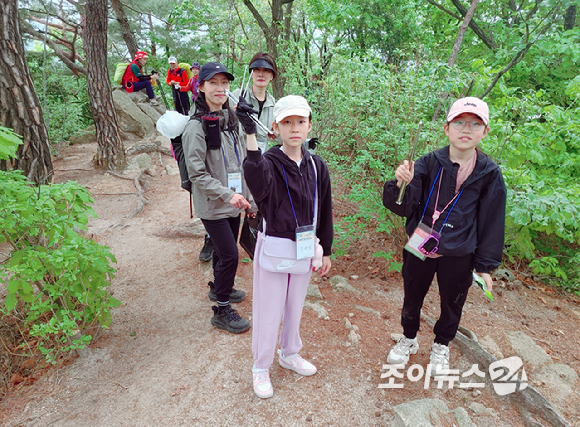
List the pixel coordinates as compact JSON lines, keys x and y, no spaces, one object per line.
{"x":162,"y":363}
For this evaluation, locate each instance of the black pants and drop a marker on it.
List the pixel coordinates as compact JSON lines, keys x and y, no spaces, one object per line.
{"x":181,"y":101}
{"x":224,"y":235}
{"x":454,"y":276}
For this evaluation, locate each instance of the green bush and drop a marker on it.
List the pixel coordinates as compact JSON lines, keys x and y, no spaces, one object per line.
{"x":55,"y":278}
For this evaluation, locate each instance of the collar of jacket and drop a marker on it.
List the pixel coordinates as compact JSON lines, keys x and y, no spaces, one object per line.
{"x":483,"y":165}
{"x":277,"y":154}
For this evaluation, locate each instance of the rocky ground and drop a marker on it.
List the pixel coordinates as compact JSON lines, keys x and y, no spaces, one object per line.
{"x":162,"y":363}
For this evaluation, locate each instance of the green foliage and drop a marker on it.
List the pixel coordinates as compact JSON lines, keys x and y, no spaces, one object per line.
{"x":365,"y":123}
{"x":9,"y":142}
{"x":55,"y":276}
{"x":67,"y":110}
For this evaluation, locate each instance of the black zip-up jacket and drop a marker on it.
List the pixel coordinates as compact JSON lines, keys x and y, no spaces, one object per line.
{"x":265,"y":178}
{"x":476,"y":223}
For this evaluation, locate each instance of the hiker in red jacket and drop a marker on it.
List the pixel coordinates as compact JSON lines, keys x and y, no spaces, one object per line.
{"x":134,"y":79}
{"x":179,"y":82}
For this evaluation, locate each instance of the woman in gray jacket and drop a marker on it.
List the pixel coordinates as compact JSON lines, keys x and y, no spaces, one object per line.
{"x":214,"y":152}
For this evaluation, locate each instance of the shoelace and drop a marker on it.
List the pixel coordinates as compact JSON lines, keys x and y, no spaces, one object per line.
{"x":262,"y":378}
{"x":232,"y":315}
{"x":439,"y":355}
{"x":403,"y":346}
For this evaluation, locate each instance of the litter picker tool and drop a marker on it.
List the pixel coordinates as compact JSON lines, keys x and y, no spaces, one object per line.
{"x":252,"y":116}
{"x":410,"y":159}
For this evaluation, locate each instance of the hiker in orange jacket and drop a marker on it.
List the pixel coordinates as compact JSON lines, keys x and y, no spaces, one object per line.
{"x":179,"y":82}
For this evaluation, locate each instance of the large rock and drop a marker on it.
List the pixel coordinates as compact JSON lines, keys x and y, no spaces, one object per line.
{"x":151,"y":111}
{"x":86,"y":136}
{"x":340,"y":284}
{"x":525,"y":347}
{"x":422,"y":413}
{"x":130,"y":117}
{"x":557,"y":383}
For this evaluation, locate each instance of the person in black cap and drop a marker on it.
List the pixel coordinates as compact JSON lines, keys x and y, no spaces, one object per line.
{"x":214,"y":152}
{"x":263,"y":70}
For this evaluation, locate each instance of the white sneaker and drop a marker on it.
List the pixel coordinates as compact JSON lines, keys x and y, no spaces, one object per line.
{"x":154,"y":102}
{"x":296,"y":364}
{"x":439,"y":359}
{"x":262,"y":385}
{"x":399,"y":354}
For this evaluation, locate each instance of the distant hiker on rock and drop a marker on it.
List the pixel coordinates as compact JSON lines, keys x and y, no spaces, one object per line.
{"x":292,"y":190}
{"x":214,"y":149}
{"x":454,"y":204}
{"x":134,"y":79}
{"x":179,"y":82}
{"x":263,"y":70}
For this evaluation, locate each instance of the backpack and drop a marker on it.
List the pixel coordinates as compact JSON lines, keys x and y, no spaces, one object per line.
{"x":119,"y":71}
{"x":187,"y":68}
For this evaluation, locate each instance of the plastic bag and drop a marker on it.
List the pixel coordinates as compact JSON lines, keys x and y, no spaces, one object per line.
{"x":171,"y":124}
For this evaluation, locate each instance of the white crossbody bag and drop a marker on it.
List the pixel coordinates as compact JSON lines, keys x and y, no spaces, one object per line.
{"x":279,"y":255}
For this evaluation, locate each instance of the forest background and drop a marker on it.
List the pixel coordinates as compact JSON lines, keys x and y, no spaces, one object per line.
{"x":372,"y":70}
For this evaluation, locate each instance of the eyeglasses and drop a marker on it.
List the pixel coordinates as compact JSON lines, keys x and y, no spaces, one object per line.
{"x":473,"y":125}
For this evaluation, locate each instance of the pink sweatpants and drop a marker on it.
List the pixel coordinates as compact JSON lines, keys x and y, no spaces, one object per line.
{"x":277,"y":297}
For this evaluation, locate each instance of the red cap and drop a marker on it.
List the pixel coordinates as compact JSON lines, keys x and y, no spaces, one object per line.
{"x":140,"y":55}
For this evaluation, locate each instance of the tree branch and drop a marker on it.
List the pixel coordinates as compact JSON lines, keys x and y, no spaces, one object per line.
{"x":257,"y":16}
{"x":74,"y":67}
{"x":487,"y":40}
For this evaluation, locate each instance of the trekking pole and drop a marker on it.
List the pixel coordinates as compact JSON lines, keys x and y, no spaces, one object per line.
{"x":161,"y":89}
{"x":410,"y":159}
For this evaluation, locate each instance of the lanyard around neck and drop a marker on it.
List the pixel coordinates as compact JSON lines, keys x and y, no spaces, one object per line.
{"x":236,"y":150}
{"x":290,"y":197}
{"x":436,"y":213}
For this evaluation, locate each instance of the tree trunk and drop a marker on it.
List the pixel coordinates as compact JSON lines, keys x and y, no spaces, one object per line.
{"x":125,"y":27}
{"x":272,"y":34}
{"x":110,"y":152}
{"x":19,"y":104}
{"x":570,"y":17}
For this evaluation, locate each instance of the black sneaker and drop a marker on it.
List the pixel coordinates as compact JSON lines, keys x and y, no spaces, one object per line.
{"x":235,"y":296}
{"x":229,"y":319}
{"x":206,"y":253}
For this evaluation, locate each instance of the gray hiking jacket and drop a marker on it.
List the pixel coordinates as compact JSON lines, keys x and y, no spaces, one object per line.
{"x":208,"y":170}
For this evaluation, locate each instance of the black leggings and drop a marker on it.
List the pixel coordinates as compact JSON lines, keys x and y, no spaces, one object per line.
{"x":454,"y":277}
{"x":224,"y":235}
{"x":181,"y":102}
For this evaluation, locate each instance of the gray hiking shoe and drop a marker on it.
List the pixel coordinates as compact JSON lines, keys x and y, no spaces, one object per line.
{"x":227,"y":318}
{"x":235,"y":296}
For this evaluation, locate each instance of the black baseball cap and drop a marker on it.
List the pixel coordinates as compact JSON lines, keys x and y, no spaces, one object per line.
{"x":262,"y":63}
{"x":210,"y":69}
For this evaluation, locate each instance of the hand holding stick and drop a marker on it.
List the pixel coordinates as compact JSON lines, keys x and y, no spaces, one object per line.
{"x":410,"y":161}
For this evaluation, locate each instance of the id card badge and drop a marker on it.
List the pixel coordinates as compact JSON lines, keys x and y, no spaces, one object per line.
{"x":235,"y":182}
{"x":305,"y":241}
{"x":424,"y":241}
